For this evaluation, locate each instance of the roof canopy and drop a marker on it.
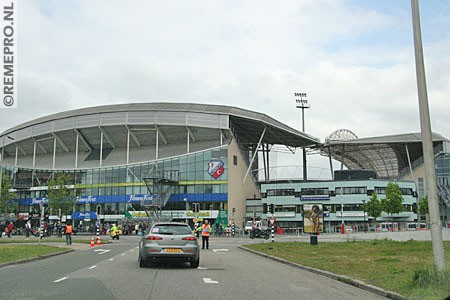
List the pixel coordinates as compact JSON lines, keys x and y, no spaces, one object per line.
{"x":204,"y":121}
{"x":386,"y":155}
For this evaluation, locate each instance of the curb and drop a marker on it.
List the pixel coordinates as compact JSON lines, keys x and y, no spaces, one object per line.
{"x":342,"y":278}
{"x":22,"y":261}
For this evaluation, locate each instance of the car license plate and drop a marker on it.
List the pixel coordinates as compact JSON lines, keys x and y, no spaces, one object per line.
{"x":172,"y":250}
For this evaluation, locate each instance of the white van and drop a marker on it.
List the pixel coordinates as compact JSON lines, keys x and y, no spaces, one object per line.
{"x":387,"y":226}
{"x":416,"y":226}
{"x":249,"y":225}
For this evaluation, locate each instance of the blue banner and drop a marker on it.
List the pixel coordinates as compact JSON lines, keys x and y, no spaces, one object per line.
{"x":134,"y":198}
{"x":84,"y":215}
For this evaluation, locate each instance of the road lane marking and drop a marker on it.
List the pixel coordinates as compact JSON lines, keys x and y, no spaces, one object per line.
{"x":220,"y":250}
{"x":131,"y":250}
{"x":208,"y":280}
{"x":102,"y":251}
{"x":122,"y":254}
{"x":202,"y":268}
{"x":61,"y":279}
{"x":93,"y":267}
{"x":111,"y":259}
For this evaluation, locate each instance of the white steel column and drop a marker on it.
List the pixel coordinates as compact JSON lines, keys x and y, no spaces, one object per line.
{"x":76,"y":151}
{"x":54,"y":152}
{"x":187,"y":142}
{"x":34,"y":154}
{"x":254,"y":155}
{"x":128,"y":145}
{"x":17,"y":155}
{"x":157,"y":143}
{"x":101,"y":147}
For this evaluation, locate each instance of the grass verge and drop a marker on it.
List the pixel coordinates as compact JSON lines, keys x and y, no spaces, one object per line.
{"x":402,"y":267}
{"x":16,"y":252}
{"x":35,"y":240}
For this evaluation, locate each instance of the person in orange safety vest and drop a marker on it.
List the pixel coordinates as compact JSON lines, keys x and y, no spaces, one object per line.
{"x":206,"y":229}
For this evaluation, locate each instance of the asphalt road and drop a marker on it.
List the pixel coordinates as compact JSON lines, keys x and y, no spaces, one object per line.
{"x":111,"y":272}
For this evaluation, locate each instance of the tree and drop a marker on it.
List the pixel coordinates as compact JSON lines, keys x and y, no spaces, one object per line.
{"x":423,"y":206}
{"x":59,"y":196}
{"x":423,"y":209}
{"x":394,"y":199}
{"x":373,"y":206}
{"x":6,"y":205}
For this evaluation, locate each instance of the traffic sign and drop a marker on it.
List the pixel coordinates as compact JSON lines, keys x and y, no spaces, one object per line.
{"x":272,"y":221}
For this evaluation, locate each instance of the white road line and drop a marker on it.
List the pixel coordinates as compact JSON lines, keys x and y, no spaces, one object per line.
{"x":208,"y":280}
{"x":61,"y":279}
{"x":122,"y":254}
{"x":131,"y":250}
{"x":93,"y":267}
{"x":220,"y":250}
{"x":202,"y":268}
{"x":102,"y":251}
{"x":111,"y":259}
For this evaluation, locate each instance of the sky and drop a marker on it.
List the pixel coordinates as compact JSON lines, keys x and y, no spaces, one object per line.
{"x":354,"y":59}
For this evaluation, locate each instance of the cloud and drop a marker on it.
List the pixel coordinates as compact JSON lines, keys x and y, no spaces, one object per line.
{"x":354,"y":59}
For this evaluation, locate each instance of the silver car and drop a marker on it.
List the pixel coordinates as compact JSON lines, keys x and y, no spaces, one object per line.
{"x":167,"y":242}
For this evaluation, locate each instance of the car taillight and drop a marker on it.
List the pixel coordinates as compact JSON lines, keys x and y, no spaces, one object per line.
{"x":190,"y":238}
{"x":154,"y":238}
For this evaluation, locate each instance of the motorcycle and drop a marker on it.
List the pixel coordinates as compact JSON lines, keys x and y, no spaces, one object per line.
{"x":260,"y":233}
{"x":115,"y":234}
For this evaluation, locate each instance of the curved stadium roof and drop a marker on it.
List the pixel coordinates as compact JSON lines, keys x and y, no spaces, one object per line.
{"x":386,"y":155}
{"x":247,"y":125}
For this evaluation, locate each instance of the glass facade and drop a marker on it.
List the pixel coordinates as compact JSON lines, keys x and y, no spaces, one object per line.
{"x":442,"y":163}
{"x":121,"y":188}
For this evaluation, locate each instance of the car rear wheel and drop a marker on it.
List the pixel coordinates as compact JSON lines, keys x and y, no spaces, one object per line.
{"x":142,"y":263}
{"x":195,"y":263}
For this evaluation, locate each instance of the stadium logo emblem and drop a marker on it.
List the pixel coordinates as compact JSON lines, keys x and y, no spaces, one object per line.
{"x":215,"y":168}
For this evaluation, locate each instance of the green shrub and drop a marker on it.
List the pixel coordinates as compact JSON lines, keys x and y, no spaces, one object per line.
{"x":429,"y":278}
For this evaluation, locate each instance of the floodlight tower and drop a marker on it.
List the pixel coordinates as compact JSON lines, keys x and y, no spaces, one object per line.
{"x":302,"y":102}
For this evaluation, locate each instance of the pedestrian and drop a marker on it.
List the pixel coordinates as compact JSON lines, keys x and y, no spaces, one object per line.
{"x":59,"y":229}
{"x":28,"y":228}
{"x":10,"y":229}
{"x":68,"y":232}
{"x":206,"y":229}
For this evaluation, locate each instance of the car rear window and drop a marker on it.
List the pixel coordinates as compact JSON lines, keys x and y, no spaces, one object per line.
{"x":171,"y":229}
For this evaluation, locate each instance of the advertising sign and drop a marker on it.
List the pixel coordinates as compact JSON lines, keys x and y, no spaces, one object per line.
{"x":84,"y":215}
{"x":313,"y":218}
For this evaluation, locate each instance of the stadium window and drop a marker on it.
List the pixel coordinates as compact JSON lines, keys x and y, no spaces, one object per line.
{"x":235,"y":160}
{"x":314,"y":191}
{"x":380,"y":190}
{"x":351,"y":190}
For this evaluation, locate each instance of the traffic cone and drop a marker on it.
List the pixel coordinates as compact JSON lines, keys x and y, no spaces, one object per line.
{"x":92,"y":241}
{"x":98,"y":241}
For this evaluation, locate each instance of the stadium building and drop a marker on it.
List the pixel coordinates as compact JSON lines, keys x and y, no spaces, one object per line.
{"x":370,"y":165}
{"x":190,"y":153}
{"x":124,"y":159}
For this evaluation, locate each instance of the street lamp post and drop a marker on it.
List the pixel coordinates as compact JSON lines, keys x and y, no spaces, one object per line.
{"x":186,"y":209}
{"x":427,"y":144}
{"x":302,"y":102}
{"x":364,"y":215}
